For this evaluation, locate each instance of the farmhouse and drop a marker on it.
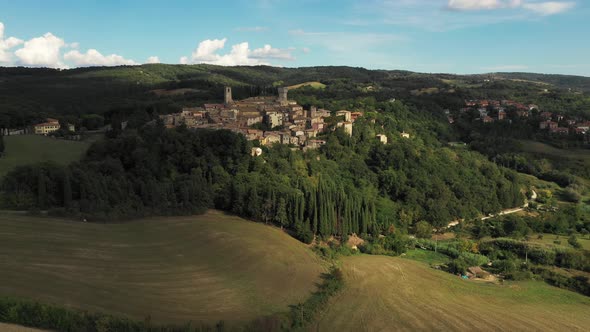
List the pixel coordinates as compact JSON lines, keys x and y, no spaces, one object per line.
{"x":47,"y":127}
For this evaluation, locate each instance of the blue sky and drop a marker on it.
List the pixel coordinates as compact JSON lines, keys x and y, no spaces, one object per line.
{"x":456,"y":36}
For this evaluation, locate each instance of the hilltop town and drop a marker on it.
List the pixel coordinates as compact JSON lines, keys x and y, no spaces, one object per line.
{"x":489,"y":111}
{"x":287,"y":122}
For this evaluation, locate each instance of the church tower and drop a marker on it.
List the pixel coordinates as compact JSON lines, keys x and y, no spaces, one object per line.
{"x":227,"y":96}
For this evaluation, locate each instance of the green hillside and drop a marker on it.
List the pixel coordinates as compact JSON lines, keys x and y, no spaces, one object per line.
{"x":30,"y":149}
{"x":203,"y":269}
{"x":393,"y":294}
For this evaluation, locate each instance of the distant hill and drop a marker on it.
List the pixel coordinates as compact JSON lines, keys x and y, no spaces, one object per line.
{"x":28,"y":95}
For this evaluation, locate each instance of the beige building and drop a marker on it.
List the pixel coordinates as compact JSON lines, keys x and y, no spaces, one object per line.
{"x":47,"y":127}
{"x":347,"y":115}
{"x":382,"y":138}
{"x":347,"y":127}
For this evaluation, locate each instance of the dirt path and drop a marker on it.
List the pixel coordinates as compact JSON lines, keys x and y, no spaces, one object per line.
{"x":503,"y":212}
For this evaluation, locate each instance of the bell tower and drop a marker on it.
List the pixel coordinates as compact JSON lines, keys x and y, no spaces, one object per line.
{"x":227,"y":96}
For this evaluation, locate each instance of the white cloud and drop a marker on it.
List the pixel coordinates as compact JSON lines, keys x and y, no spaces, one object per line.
{"x":549,"y":8}
{"x":41,"y":51}
{"x":267,"y":52}
{"x":482,"y":4}
{"x":153,"y":59}
{"x":94,"y":58}
{"x":207,"y":48}
{"x":240,"y":54}
{"x":47,"y":51}
{"x":540,"y":8}
{"x":6,"y":45}
{"x":306,"y":50}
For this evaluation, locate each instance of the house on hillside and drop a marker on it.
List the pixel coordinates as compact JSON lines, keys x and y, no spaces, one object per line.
{"x":47,"y":127}
{"x":547,"y":125}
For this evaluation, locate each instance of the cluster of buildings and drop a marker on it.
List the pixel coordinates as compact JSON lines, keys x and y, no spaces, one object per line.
{"x":557,"y":124}
{"x":286,"y":121}
{"x":561,"y":125}
{"x":498,"y":107}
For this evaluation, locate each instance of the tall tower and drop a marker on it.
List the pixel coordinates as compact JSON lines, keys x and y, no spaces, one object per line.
{"x":227,"y":96}
{"x":283,"y":95}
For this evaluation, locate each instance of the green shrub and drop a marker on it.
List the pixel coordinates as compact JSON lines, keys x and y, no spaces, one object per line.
{"x":457,"y":266}
{"x":304,"y":313}
{"x":573,"y":241}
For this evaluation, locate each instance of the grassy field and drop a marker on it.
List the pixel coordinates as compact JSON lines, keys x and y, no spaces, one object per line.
{"x":196,"y":268}
{"x":29,"y":149}
{"x":394,"y":294}
{"x":548,"y":241}
{"x":426,"y":256}
{"x":316,"y":85}
{"x":582,"y":155}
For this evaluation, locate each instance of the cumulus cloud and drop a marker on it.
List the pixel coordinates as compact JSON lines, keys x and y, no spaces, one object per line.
{"x":541,"y":8}
{"x":47,"y":51}
{"x":268,"y":52}
{"x":93,"y":57}
{"x":41,"y":51}
{"x":240,"y":54}
{"x":6,"y":45}
{"x":153,"y":59}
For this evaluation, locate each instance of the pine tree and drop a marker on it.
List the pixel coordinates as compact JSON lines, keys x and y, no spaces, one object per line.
{"x":281,"y":213}
{"x":67,"y":190}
